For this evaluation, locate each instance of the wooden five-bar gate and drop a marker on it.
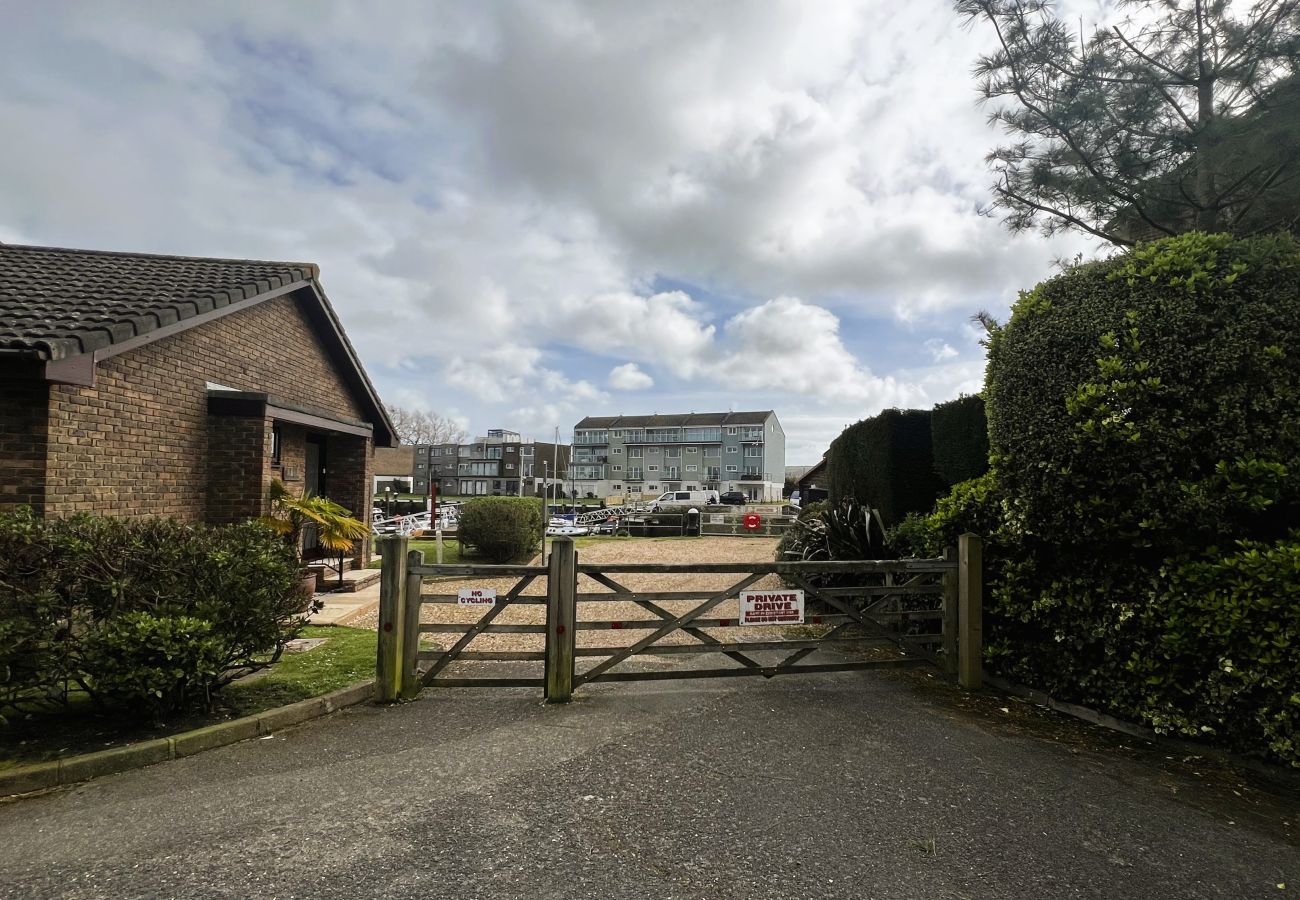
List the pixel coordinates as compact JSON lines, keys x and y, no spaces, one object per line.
{"x":925,"y":611}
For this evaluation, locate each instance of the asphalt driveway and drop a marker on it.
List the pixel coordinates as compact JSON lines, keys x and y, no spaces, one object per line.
{"x":862,"y":785}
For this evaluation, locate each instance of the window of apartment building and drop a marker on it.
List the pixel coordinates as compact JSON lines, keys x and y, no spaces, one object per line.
{"x":652,"y":487}
{"x":493,"y":452}
{"x":618,"y":468}
{"x":419,"y":465}
{"x":617,"y":451}
{"x":731,"y":431}
{"x":634,"y":452}
{"x":673,"y":452}
{"x":510,"y":467}
{"x":618,"y":487}
{"x":654,"y":450}
{"x":526,"y":450}
{"x":652,"y":468}
{"x":712,"y":451}
{"x":617,"y":434}
{"x":692,"y":468}
{"x":754,"y":451}
{"x":733,"y":468}
{"x":692,"y":449}
{"x":733,"y":449}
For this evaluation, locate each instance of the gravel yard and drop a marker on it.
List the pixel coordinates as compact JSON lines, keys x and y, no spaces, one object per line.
{"x":611,"y":550}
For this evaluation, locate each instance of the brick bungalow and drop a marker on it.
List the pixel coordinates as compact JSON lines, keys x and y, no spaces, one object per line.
{"x":139,"y":385}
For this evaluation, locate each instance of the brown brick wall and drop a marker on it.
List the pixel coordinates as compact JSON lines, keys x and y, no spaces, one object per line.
{"x":24,"y":398}
{"x":140,"y":441}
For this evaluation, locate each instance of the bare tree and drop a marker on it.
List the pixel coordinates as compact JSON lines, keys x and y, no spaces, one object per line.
{"x":1186,"y":115}
{"x":416,"y":426}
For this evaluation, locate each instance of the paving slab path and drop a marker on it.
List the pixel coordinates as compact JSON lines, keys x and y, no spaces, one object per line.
{"x":852,"y":785}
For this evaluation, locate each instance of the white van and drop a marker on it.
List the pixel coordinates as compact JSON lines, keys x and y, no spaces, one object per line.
{"x":684,"y":499}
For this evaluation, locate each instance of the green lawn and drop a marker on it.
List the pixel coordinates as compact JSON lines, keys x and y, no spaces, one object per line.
{"x":347,"y":656}
{"x":450,"y":552}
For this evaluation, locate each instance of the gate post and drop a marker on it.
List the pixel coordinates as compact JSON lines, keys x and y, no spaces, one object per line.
{"x":561,"y":620}
{"x":970,"y":670}
{"x":950,"y":601}
{"x":410,"y":684}
{"x":392,"y":611}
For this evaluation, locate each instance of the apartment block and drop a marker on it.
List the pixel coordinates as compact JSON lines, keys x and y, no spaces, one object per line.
{"x":643,"y":456}
{"x":502,"y":462}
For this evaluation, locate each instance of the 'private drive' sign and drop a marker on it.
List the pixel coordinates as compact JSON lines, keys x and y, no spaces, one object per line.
{"x":476,"y":596}
{"x":771,"y":607}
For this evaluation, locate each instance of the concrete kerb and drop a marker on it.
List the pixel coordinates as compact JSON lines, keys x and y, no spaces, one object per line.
{"x":43,"y":776}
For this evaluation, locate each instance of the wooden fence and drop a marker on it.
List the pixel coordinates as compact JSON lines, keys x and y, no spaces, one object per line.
{"x":926,"y":610}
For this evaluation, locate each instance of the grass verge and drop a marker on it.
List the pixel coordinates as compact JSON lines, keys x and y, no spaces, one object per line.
{"x":346,"y":657}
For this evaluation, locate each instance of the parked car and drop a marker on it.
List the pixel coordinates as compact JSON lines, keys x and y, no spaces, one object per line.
{"x":734,"y":498}
{"x":683,"y":499}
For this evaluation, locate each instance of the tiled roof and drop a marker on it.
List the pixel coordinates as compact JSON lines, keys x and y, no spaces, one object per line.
{"x":56,"y":302}
{"x":692,"y":420}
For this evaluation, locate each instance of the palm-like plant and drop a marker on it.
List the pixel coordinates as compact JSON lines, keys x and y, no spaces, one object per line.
{"x":336,"y":529}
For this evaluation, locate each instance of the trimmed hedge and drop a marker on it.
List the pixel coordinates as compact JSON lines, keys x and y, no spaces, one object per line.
{"x":1144,"y":427}
{"x":144,"y":616}
{"x":885,"y":462}
{"x":501,"y":528}
{"x":960,"y":437}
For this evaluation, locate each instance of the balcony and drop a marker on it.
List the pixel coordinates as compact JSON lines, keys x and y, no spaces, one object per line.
{"x":587,"y":473}
{"x":751,"y":475}
{"x":634,"y":475}
{"x":689,"y":436}
{"x":599,"y":437}
{"x":590,"y":459}
{"x":751,"y":435}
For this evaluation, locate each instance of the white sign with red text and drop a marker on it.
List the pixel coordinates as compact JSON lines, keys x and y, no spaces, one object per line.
{"x":476,"y":596}
{"x":771,"y":607}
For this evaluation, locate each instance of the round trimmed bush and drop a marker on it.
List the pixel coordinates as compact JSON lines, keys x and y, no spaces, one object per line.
{"x":501,"y":528}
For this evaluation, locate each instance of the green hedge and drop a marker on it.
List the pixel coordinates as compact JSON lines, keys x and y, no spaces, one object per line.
{"x":145,"y":616}
{"x":1144,"y":425}
{"x":886,"y":463}
{"x":960,"y":437}
{"x":501,"y":528}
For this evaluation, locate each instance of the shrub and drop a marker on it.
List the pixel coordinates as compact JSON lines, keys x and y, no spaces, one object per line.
{"x":959,"y":433}
{"x":1143,"y":412}
{"x":162,"y":664}
{"x":885,"y":462}
{"x":73,"y":593}
{"x":501,"y":528}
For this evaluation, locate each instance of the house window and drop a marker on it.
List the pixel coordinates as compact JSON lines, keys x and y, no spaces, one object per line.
{"x":692,"y":468}
{"x":733,"y":449}
{"x":733,"y":468}
{"x":618,"y":468}
{"x":419,"y":465}
{"x":692,"y":449}
{"x":634,"y":453}
{"x":617,"y":451}
{"x":652,"y":468}
{"x":526,"y":451}
{"x":673,"y":452}
{"x":617,"y":434}
{"x":277,"y":443}
{"x":618,"y":487}
{"x":731,"y":431}
{"x":653,"y":487}
{"x":510,"y":467}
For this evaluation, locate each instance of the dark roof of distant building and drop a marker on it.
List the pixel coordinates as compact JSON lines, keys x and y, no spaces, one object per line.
{"x":678,"y":420}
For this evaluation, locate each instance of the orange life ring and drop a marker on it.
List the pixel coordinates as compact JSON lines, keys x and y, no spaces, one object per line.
{"x":753,"y":521}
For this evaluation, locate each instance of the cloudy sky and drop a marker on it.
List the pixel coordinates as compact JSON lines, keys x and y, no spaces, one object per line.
{"x":530,"y":212}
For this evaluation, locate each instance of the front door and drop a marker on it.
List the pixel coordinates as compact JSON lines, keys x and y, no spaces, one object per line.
{"x":313,"y":484}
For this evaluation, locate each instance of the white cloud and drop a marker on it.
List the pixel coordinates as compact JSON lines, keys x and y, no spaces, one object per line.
{"x":629,"y":377}
{"x":940,"y":349}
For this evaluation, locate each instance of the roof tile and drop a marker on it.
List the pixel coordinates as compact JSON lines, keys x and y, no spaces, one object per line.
{"x":58,"y":302}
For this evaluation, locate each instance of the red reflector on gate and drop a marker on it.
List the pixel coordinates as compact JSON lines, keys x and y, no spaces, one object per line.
{"x":559,"y":629}
{"x":724,"y":622}
{"x":615,"y":624}
{"x":388,"y":626}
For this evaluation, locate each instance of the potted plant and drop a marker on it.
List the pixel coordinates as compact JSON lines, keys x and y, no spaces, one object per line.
{"x":335,"y":527}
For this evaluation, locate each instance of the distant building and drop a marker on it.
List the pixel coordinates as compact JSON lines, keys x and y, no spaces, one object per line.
{"x":500,"y":463}
{"x":647,"y":455}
